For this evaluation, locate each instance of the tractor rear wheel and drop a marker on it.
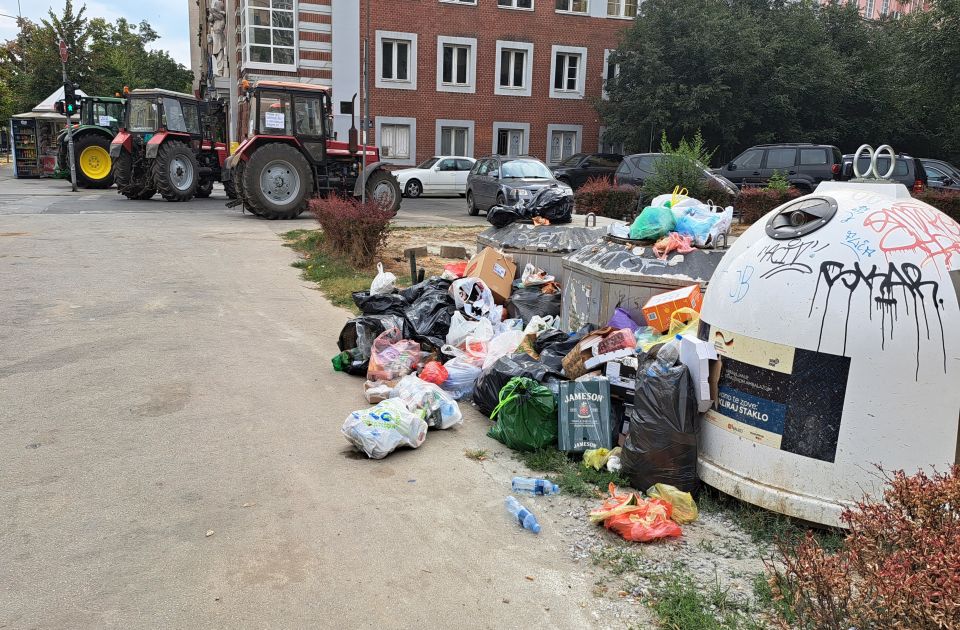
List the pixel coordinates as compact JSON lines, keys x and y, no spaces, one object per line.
{"x":93,"y":162}
{"x":276,"y":182}
{"x":383,"y":188}
{"x":176,"y":172}
{"x":204,"y":189}
{"x":123,"y":174}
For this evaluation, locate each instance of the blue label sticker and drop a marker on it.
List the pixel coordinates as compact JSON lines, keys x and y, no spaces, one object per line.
{"x":752,"y":410}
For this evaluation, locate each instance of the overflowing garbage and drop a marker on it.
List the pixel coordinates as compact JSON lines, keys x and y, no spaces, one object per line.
{"x":623,"y":391}
{"x":550,"y":205}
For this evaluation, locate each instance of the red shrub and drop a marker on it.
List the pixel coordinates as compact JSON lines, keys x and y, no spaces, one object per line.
{"x":604,"y":199}
{"x":946,"y":201}
{"x":753,"y":203}
{"x":898,"y":568}
{"x":352,"y":230}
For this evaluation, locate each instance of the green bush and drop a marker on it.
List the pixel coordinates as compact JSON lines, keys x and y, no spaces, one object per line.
{"x":680,"y":166}
{"x":778,"y":182}
{"x":946,"y":201}
{"x":753,"y":203}
{"x":598,"y":196}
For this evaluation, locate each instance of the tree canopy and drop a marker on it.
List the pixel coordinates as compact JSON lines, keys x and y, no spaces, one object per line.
{"x":104,"y":57}
{"x":744,"y":72}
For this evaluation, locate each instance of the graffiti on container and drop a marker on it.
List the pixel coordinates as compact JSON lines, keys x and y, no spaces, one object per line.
{"x":789,"y":256}
{"x":887,"y":291}
{"x":910,"y":227}
{"x":858,"y":244}
{"x":854,"y":213}
{"x":742,"y":287}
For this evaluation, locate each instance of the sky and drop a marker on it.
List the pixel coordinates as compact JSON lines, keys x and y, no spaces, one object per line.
{"x":167,"y":17}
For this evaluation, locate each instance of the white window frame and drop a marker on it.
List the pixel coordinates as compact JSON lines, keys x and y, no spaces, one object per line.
{"x":527,"y":49}
{"x":397,"y":120}
{"x":245,"y":42}
{"x":394,"y":84}
{"x":551,"y":129}
{"x":471,"y":44}
{"x":621,"y":6}
{"x":525,"y":127}
{"x":463,"y":124}
{"x":514,"y":6}
{"x":571,"y":12}
{"x":581,"y":71}
{"x":606,"y":68}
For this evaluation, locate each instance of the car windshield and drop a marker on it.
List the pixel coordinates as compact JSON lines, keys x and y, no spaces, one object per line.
{"x":429,"y":163}
{"x":143,"y":115}
{"x":573,"y":160}
{"x":530,"y":169}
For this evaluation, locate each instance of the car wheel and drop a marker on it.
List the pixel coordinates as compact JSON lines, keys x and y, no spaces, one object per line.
{"x":414,"y":189}
{"x":472,"y":208}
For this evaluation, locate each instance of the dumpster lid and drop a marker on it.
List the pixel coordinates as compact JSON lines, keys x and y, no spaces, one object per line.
{"x":545,"y":238}
{"x":612,"y":257}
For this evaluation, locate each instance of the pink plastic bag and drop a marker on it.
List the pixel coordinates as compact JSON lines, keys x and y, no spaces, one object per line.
{"x":673,"y":242}
{"x":392,"y":356}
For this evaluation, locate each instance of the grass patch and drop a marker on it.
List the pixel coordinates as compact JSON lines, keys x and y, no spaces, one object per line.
{"x":336,"y":279}
{"x":572,"y":476}
{"x":680,"y":603}
{"x":476,"y":454}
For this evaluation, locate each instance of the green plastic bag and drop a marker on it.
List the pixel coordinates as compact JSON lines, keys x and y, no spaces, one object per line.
{"x":653,"y":223}
{"x":526,"y":416}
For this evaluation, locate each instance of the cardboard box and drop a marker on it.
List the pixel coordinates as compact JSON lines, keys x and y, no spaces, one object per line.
{"x":496,"y":269}
{"x":659,"y":309}
{"x":585,"y":421}
{"x":622,"y":375}
{"x":697,"y":355}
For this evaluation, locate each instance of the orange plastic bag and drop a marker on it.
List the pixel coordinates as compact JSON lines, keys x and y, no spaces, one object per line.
{"x":434,"y":372}
{"x":636,"y":518}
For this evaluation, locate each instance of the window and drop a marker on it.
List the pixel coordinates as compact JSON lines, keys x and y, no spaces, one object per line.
{"x":610,"y":72}
{"x":883,"y":165}
{"x":275,"y":113}
{"x":456,"y":64}
{"x":395,"y":141}
{"x":572,"y":6}
{"x":567,"y":71}
{"x":267,"y":34}
{"x":781,"y":158}
{"x":514,"y":71}
{"x":396,"y":60}
{"x":868,"y":10}
{"x":510,"y":142}
{"x":645,"y":163}
{"x":309,"y":115}
{"x":532,"y":169}
{"x":750,"y":159}
{"x":884,"y":7}
{"x":483,"y":167}
{"x":515,"y":4}
{"x":622,"y":8}
{"x":464,"y":165}
{"x":180,"y":117}
{"x":192,"y":118}
{"x":143,"y":115}
{"x":813,"y":157}
{"x":563,"y":144}
{"x":453,"y":140}
{"x":602,"y":161}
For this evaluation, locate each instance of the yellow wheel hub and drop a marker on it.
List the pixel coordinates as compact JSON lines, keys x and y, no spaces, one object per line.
{"x":95,"y":162}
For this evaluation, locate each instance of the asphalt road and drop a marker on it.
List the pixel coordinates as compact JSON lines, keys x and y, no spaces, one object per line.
{"x":170,"y":447}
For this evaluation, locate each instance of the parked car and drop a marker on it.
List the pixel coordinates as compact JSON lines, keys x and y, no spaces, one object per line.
{"x":635,"y":169}
{"x":941,"y":174}
{"x":804,"y":165}
{"x":502,"y":180}
{"x":908,"y":170}
{"x":440,"y":175}
{"x":579,"y":167}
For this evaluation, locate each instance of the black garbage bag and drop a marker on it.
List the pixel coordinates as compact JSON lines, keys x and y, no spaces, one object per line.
{"x":554,"y":203}
{"x":491,"y":381}
{"x":552,"y":348}
{"x":501,"y":216}
{"x":662,"y":444}
{"x":525,"y":303}
{"x":434,"y":284}
{"x":428,"y":316}
{"x":549,"y":338}
{"x":357,"y":337}
{"x":392,"y":303}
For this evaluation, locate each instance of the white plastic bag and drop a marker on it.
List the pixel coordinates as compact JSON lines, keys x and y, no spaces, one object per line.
{"x":661,"y":200}
{"x":384,"y":282}
{"x":461,"y":328}
{"x":379,"y":430}
{"x":462,"y":375}
{"x":439,"y":407}
{"x":473,"y":297}
{"x":533,"y":276}
{"x":722,"y":226}
{"x":501,"y":345}
{"x":540,"y":324}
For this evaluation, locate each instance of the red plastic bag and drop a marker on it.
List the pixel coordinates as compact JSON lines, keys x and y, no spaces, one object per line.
{"x":636,"y":518}
{"x":392,"y":356}
{"x":457,"y":269}
{"x":435,"y":373}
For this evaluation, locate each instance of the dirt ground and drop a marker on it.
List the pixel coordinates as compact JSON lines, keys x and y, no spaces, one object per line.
{"x":432,"y":238}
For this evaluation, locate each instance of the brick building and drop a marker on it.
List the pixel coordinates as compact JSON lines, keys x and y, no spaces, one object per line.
{"x":446,"y":76}
{"x":876,"y":9}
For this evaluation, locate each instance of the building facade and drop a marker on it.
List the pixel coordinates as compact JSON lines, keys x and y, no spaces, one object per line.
{"x":466,"y":77}
{"x":877,"y":9}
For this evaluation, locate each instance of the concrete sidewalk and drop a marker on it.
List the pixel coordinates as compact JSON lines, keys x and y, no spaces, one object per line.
{"x":166,"y":373}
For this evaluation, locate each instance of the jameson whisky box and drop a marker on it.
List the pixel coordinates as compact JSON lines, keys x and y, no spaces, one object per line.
{"x":584,"y":419}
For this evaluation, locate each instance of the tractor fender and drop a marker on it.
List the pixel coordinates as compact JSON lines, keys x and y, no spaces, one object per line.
{"x":153,"y":146}
{"x":365,"y":175}
{"x":249,"y":145}
{"x":123,"y":140}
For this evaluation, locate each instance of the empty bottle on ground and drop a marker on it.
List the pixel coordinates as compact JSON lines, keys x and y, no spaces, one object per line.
{"x":531,"y":485}
{"x":524,"y":517}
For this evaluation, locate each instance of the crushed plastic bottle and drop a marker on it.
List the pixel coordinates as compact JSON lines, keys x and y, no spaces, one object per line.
{"x":667,"y":357}
{"x":536,"y":487}
{"x":524,"y":517}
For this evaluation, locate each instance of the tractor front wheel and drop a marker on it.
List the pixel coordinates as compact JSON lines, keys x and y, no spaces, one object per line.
{"x":276,"y":182}
{"x":384,"y":189}
{"x":94,"y":167}
{"x":176,"y":172}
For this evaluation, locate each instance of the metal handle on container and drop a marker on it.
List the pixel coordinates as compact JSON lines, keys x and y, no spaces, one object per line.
{"x":586,"y":220}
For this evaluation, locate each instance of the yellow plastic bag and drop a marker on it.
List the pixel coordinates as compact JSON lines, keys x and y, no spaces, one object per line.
{"x":597,"y":458}
{"x":684,"y":507}
{"x":677,"y":327}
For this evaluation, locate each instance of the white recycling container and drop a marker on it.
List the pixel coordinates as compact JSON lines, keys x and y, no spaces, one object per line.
{"x":837,"y":324}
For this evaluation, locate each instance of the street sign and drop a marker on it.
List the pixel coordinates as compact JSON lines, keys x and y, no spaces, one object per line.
{"x":64,"y":53}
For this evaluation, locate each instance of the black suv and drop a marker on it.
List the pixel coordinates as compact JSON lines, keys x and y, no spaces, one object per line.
{"x":804,"y":165}
{"x":909,"y":171}
{"x":635,"y":169}
{"x":579,"y":167}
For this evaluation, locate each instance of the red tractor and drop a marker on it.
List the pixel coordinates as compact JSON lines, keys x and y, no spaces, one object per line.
{"x":171,"y":143}
{"x":289,"y":155}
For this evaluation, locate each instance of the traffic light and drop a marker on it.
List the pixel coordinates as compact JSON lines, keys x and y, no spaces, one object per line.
{"x":69,"y":99}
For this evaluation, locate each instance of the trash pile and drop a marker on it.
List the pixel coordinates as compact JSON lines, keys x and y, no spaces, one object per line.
{"x":551,"y":205}
{"x":624,"y":394}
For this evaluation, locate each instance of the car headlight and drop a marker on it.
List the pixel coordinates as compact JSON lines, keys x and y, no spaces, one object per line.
{"x":522,"y":193}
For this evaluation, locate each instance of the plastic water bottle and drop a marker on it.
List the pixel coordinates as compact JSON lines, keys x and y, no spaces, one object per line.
{"x":524,"y":517}
{"x":537,"y":487}
{"x":667,"y":357}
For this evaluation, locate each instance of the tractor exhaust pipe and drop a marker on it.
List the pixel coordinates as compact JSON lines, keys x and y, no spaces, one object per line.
{"x":353,"y":136}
